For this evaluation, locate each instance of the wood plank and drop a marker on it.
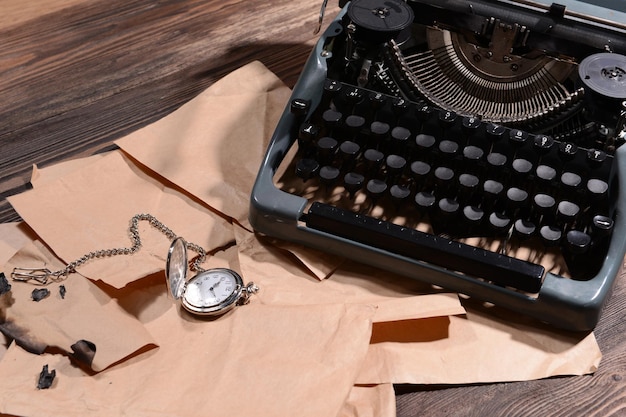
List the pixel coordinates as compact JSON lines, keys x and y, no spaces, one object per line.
{"x":15,"y":12}
{"x":76,"y":79}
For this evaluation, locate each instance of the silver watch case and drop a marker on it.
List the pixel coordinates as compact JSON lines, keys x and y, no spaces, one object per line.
{"x":176,"y":274}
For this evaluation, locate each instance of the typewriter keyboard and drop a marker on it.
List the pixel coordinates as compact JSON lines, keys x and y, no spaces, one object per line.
{"x":425,"y":183}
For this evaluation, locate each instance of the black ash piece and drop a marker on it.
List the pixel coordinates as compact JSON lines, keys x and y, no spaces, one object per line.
{"x":39,"y":294}
{"x":46,"y":378}
{"x":5,"y":287}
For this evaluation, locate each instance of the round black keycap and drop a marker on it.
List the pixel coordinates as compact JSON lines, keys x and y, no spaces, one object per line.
{"x":595,"y":157}
{"x":352,"y":95}
{"x":542,"y":144}
{"x":577,"y":242}
{"x":349,"y":150}
{"x":472,"y":153}
{"x":545,"y":173}
{"x":571,"y":180}
{"x":424,"y":142}
{"x":419,"y":170}
{"x":567,"y":151}
{"x":377,"y":100}
{"x":424,"y":200}
{"x":379,"y":129}
{"x":444,"y":176}
{"x":550,"y":235}
{"x":353,"y":182}
{"x":399,"y":137}
{"x":307,"y":133}
{"x":468,"y":184}
{"x":516,"y":197}
{"x":544,"y":203}
{"x":499,"y":222}
{"x":473,"y":214}
{"x":567,"y":211}
{"x":424,"y":113}
{"x":494,"y":132}
{"x":496,"y":160}
{"x":524,"y":228}
{"x":601,"y":225}
{"x":517,"y":137}
{"x":399,"y":105}
{"x":328,"y":174}
{"x":299,"y":106}
{"x":326,"y":148}
{"x":395,"y":164}
{"x":522,"y":167}
{"x":332,"y":86}
{"x":597,"y":188}
{"x":492,"y":187}
{"x":492,"y":192}
{"x":307,"y":168}
{"x":399,"y":193}
{"x":373,"y":159}
{"x":446,"y":118}
{"x":354,"y":123}
{"x":448,"y":206}
{"x":376,"y":188}
{"x":470,"y":125}
{"x":448,"y":148}
{"x":331,"y":118}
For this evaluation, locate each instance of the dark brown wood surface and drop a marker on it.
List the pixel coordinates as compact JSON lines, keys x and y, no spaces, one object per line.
{"x":75,"y":75}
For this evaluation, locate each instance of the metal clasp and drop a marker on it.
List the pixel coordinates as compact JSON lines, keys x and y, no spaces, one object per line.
{"x":41,"y":275}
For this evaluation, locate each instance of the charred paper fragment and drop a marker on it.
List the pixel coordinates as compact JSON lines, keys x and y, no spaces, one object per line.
{"x":84,"y":351}
{"x":46,"y":378}
{"x":39,"y":294}
{"x":5,"y":287}
{"x":62,"y":291}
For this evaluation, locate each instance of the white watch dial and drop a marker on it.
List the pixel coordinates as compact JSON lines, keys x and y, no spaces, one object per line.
{"x":211,"y":288}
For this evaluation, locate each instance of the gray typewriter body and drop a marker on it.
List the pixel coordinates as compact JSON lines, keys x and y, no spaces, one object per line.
{"x":547,"y":73}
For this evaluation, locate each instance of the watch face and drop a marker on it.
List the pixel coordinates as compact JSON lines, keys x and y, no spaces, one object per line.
{"x":212,"y":292}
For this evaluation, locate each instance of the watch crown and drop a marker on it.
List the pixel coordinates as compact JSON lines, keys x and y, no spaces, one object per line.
{"x":246,"y":292}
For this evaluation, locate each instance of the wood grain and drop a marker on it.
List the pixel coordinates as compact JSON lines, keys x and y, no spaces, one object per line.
{"x":76,"y":75}
{"x":76,"y":79}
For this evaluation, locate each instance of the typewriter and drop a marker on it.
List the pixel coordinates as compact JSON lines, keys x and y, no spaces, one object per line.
{"x":475,"y":145}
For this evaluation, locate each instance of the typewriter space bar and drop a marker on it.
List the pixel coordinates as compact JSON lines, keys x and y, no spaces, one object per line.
{"x":469,"y":260}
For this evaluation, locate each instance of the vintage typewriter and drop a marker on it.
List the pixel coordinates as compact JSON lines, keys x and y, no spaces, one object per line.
{"x":471,"y":144}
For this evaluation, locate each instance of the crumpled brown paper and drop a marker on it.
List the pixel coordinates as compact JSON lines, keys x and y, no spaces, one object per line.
{"x":241,"y":364}
{"x":213,"y":145}
{"x":90,"y":208}
{"x":212,"y":155}
{"x":77,"y":317}
{"x":486,"y":345}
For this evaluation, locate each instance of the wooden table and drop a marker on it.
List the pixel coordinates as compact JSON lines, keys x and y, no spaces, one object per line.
{"x":75,"y":75}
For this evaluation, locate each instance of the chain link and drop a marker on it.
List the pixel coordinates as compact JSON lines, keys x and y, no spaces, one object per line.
{"x":44,"y":275}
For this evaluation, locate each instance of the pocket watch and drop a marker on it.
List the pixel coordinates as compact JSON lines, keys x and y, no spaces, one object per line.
{"x":210,"y":292}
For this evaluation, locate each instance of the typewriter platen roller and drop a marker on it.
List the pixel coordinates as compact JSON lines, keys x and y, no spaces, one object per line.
{"x":474,"y":145}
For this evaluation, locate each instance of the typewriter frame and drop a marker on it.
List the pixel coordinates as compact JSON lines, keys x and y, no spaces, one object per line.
{"x":562,"y":302}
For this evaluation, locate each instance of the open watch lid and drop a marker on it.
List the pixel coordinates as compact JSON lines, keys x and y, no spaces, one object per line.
{"x":176,"y":267}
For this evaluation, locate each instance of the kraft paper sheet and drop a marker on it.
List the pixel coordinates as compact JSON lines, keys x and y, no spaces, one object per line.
{"x":329,"y":346}
{"x":81,"y":316}
{"x":90,"y":209}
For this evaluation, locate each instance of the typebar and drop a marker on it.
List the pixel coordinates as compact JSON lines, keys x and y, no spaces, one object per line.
{"x":472,"y":261}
